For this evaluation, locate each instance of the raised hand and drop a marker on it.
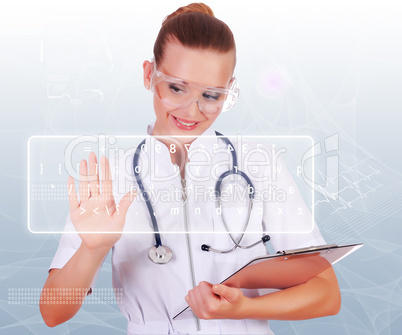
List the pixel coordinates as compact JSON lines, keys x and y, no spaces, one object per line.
{"x":96,"y":217}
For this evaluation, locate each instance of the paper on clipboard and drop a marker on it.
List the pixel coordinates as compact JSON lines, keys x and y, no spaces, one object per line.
{"x":285,"y":269}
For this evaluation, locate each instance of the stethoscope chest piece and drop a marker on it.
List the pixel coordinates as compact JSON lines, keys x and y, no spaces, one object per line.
{"x":160,"y":255}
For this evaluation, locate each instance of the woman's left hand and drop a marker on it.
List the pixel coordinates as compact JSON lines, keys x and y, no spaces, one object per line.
{"x":216,"y":301}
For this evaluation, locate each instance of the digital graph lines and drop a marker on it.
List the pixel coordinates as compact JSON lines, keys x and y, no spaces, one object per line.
{"x":367,"y":196}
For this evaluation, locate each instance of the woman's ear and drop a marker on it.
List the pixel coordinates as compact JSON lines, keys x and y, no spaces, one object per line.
{"x":147,"y":66}
{"x":232,"y":82}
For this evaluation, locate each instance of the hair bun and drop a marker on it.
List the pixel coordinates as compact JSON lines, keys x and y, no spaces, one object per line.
{"x":191,"y":8}
{"x":194,"y":26}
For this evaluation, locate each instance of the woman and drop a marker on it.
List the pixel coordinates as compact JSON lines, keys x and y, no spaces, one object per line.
{"x":194,"y":52}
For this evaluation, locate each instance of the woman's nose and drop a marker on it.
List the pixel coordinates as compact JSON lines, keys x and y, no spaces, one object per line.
{"x":192,"y":109}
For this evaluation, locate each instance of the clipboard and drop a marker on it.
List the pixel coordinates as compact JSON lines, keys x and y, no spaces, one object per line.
{"x":284,"y":269}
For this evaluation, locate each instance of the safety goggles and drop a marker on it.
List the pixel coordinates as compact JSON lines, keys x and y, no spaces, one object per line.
{"x":178,"y":93}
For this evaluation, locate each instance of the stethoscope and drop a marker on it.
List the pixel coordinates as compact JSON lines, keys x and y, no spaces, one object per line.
{"x":161,"y":254}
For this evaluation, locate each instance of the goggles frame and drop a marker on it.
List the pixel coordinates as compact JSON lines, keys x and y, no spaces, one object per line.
{"x":231,"y":94}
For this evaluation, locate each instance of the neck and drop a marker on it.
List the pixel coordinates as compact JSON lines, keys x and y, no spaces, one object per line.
{"x":177,"y":150}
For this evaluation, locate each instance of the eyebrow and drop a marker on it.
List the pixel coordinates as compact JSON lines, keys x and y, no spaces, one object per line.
{"x":177,"y":79}
{"x":186,"y":83}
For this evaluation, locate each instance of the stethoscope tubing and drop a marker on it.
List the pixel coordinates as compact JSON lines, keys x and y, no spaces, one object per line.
{"x":146,"y":196}
{"x":154,"y":254}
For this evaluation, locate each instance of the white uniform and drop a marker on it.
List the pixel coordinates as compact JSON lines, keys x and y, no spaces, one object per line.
{"x":153,"y":293}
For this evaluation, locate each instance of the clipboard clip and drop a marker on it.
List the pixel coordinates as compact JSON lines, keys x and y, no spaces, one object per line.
{"x":312,"y":248}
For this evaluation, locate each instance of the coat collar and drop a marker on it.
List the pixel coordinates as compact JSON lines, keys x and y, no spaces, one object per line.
{"x":160,"y":159}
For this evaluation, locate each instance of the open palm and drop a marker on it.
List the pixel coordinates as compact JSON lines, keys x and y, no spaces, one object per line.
{"x":96,"y":217}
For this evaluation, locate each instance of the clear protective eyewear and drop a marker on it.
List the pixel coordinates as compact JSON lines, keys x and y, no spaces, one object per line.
{"x":178,"y":93}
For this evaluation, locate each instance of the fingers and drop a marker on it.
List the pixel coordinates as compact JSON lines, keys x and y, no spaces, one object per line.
{"x":105,"y":167}
{"x":205,"y":289}
{"x":203,"y":301}
{"x":197,"y":295}
{"x":72,"y":194}
{"x":196,"y":303}
{"x":107,"y":185}
{"x":231,"y":294}
{"x":216,"y":301}
{"x":89,"y":184}
{"x":93,"y":175}
{"x":84,"y":185}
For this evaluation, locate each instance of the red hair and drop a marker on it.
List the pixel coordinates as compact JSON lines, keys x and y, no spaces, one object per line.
{"x":194,"y":26}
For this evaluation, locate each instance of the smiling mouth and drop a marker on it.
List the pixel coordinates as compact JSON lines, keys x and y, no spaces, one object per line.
{"x":188,"y":124}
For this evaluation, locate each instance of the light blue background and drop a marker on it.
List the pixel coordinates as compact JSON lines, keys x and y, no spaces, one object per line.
{"x":314,"y":68}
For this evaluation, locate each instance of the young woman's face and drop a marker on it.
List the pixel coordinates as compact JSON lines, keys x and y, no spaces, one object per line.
{"x":204,"y":67}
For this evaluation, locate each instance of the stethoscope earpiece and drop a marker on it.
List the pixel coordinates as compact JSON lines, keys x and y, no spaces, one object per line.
{"x":205,"y":247}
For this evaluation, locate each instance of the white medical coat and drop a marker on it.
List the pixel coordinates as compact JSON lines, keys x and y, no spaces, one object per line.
{"x":153,"y":293}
